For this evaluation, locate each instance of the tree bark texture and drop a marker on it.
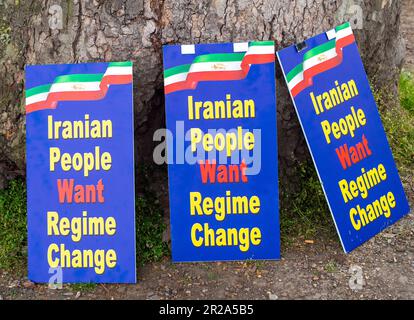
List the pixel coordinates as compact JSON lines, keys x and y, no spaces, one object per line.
{"x":53,"y":31}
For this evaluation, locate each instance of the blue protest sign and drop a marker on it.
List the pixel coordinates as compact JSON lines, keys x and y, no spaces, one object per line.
{"x":80,"y":173}
{"x":343,"y":129}
{"x":222,"y":151}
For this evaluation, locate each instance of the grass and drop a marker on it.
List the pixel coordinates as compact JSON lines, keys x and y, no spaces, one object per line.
{"x":398,"y":121}
{"x":305,"y":213}
{"x":13,"y":241}
{"x":150,"y":228}
{"x":149,"y":221}
{"x":83,"y":287}
{"x":407,"y":91}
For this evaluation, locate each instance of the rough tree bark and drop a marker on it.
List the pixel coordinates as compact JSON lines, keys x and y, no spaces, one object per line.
{"x":53,"y":31}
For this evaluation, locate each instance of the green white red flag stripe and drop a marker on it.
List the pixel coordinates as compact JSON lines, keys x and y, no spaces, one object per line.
{"x":75,"y":87}
{"x":320,"y":59}
{"x":218,"y":67}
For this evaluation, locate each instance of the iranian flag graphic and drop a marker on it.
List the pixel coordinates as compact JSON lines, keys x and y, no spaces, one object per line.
{"x":218,"y":67}
{"x":76,"y":87}
{"x":320,"y":59}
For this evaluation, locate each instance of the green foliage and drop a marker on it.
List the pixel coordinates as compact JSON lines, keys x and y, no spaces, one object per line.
{"x":305,"y":212}
{"x":398,"y":120}
{"x":149,"y":219}
{"x":83,"y":287}
{"x":150,"y":227}
{"x":13,"y":226}
{"x":407,"y":92}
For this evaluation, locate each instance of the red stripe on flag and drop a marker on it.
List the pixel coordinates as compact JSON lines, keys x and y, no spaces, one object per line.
{"x":258,"y":58}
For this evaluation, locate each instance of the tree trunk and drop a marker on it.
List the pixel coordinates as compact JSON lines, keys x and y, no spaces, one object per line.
{"x":42,"y":31}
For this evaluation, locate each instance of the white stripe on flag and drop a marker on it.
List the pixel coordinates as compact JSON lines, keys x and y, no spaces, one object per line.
{"x":318,"y":59}
{"x":119,"y":71}
{"x":175,"y":78}
{"x":343,"y":33}
{"x":75,"y":86}
{"x":36,"y":98}
{"x":297,"y":79}
{"x":261,"y":50}
{"x":215,"y":66}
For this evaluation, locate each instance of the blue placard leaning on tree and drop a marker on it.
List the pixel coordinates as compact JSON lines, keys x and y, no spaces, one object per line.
{"x":222,"y":151}
{"x":340,"y":120}
{"x":80,"y":173}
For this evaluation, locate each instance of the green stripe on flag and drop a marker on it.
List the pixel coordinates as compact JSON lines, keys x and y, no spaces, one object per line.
{"x":220,"y":57}
{"x":214,"y":57}
{"x":293,"y":73}
{"x":319,"y":49}
{"x":121,"y":64}
{"x":36,"y":90}
{"x":176,"y":70}
{"x":262,"y":43}
{"x":79,"y":78}
{"x":343,"y":26}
